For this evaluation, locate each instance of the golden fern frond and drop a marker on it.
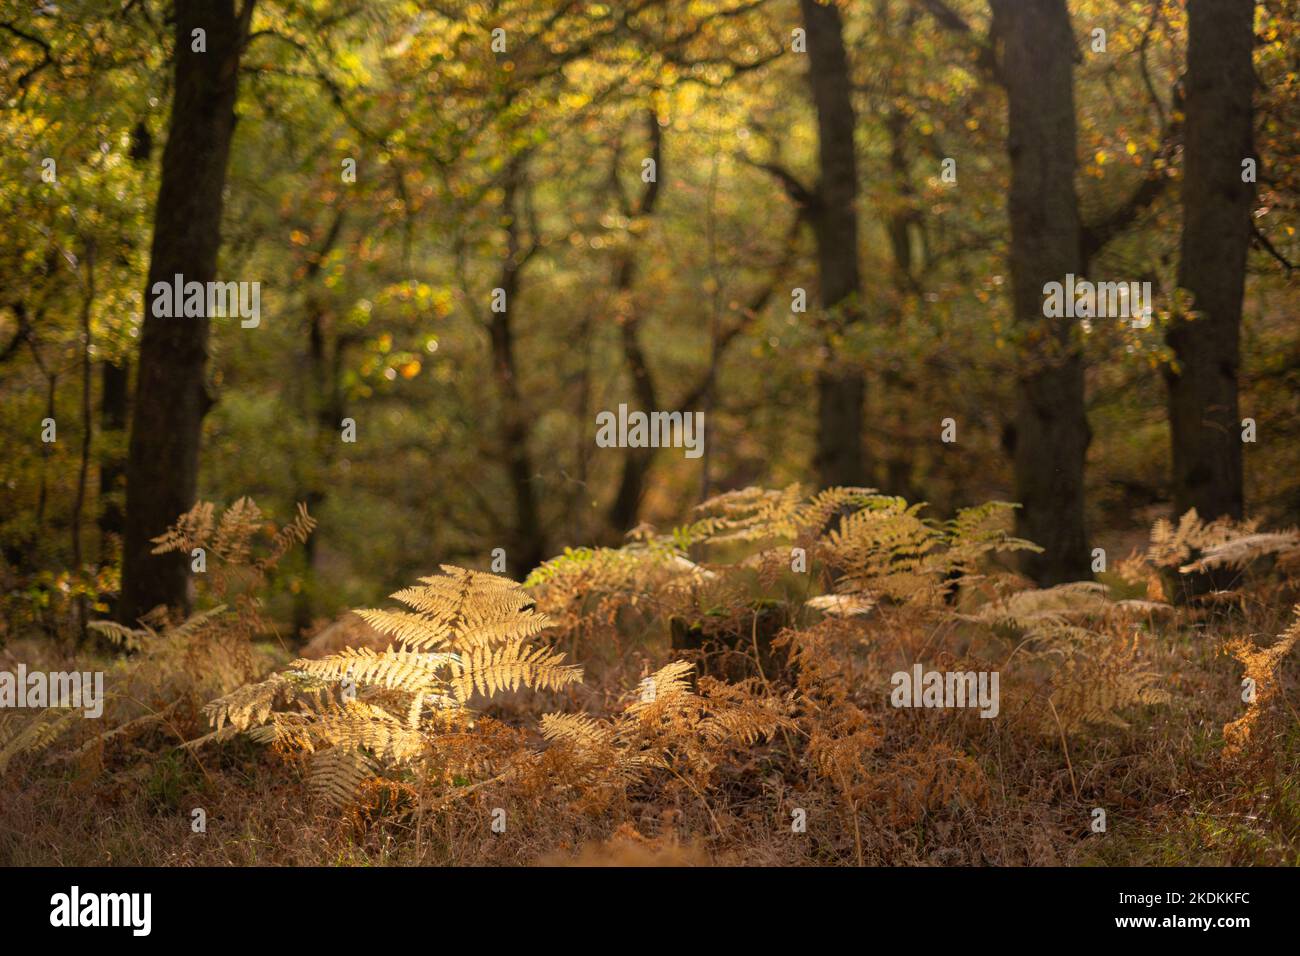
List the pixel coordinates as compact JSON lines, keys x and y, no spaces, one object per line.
{"x":249,"y":705}
{"x":883,"y":548}
{"x":127,"y":638}
{"x":231,"y":539}
{"x":818,"y":511}
{"x":1261,"y":665}
{"x":1136,"y":570}
{"x":1040,"y":608}
{"x":1092,"y":678}
{"x":384,"y":738}
{"x":337,"y":774}
{"x":489,"y":670}
{"x":411,"y":671}
{"x":577,"y":728}
{"x":29,"y":734}
{"x":190,"y":529}
{"x":235,"y":530}
{"x":745,"y":514}
{"x":295,"y":532}
{"x":1172,"y":546}
{"x":409,"y":703}
{"x":459,"y":609}
{"x":977,"y":531}
{"x":669,"y":685}
{"x":461,"y":597}
{"x":589,"y":755}
{"x":505,"y":630}
{"x":1241,"y":551}
{"x":411,"y":630}
{"x":926,"y":780}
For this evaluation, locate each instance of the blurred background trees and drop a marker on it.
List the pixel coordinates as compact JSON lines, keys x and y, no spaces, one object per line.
{"x":651,"y":186}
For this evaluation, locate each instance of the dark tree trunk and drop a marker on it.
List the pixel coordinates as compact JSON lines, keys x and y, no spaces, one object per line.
{"x":1203,"y":413}
{"x":171,"y":390}
{"x":528,"y":549}
{"x":324,"y":413}
{"x":1051,"y":431}
{"x":841,"y":390}
{"x":114,"y":413}
{"x":636,"y":465}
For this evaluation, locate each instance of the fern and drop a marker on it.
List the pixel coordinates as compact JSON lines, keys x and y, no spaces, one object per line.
{"x":360,"y":711}
{"x":1261,"y":669}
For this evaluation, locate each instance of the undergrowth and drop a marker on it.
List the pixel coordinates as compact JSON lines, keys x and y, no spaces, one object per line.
{"x":719,"y":693}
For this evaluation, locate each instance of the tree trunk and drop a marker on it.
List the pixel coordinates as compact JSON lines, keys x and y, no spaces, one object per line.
{"x":1203,"y":413}
{"x":841,"y":390}
{"x":323,"y":412}
{"x":528,"y":549}
{"x":171,"y":390}
{"x":1051,"y":432}
{"x":636,"y":465}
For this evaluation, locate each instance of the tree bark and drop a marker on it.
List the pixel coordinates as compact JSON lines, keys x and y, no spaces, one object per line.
{"x":528,"y":549}
{"x":171,"y":390}
{"x":323,"y":412}
{"x":841,"y":390}
{"x":1203,"y":413}
{"x":1051,"y":432}
{"x":636,"y":465}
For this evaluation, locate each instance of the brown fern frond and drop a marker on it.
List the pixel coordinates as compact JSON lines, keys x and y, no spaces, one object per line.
{"x":1262,"y":665}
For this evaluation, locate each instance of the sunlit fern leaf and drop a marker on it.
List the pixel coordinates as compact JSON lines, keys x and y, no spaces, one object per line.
{"x":406,"y":707}
{"x":746,"y":514}
{"x":489,"y":670}
{"x":386,"y":739}
{"x":978,"y":531}
{"x":31,"y":733}
{"x":250,"y":705}
{"x":411,"y":671}
{"x":1038,"y":608}
{"x":459,"y":609}
{"x":1239,"y":552}
{"x":1172,"y":546}
{"x":816,"y":514}
{"x":504,"y":630}
{"x":127,"y":638}
{"x":669,"y":685}
{"x":337,"y":773}
{"x":295,"y":532}
{"x":883,"y":548}
{"x":235,"y":531}
{"x":738,"y":715}
{"x":196,"y":525}
{"x":842,"y":605}
{"x":577,"y":728}
{"x":1261,"y":669}
{"x":415,"y":631}
{"x":1092,"y":677}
